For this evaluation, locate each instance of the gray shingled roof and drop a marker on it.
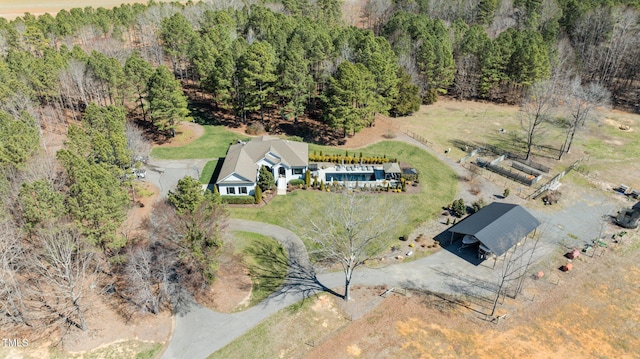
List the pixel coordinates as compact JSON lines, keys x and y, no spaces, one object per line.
{"x":499,"y":226}
{"x":391,"y":167}
{"x":241,"y":158}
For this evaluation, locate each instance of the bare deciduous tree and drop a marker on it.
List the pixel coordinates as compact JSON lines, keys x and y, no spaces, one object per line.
{"x":580,"y":101}
{"x":514,"y":268}
{"x":60,"y":276}
{"x":347,"y":229}
{"x":467,"y":77}
{"x":140,"y":282}
{"x":537,"y":108}
{"x":12,"y":307}
{"x":140,"y":148}
{"x":376,"y":13}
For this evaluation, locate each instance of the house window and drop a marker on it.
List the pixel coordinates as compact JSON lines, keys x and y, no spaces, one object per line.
{"x":243,"y":190}
{"x":231,"y":190}
{"x":298,"y":171}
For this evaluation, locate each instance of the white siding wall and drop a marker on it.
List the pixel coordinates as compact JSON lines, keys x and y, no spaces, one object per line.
{"x":225,"y":188}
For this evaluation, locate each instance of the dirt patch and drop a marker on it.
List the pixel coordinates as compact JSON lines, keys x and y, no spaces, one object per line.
{"x":231,"y":291}
{"x":146,"y":195}
{"x":622,"y":125}
{"x":186,"y":133}
{"x":107,"y":326}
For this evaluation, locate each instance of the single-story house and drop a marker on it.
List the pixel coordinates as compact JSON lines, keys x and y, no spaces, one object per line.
{"x":496,"y":228}
{"x":286,"y":159}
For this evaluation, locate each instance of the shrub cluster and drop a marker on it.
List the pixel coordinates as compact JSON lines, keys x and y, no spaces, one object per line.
{"x":238,"y":199}
{"x":459,"y":208}
{"x":296,"y":182}
{"x":413,"y":177}
{"x":477,"y":205}
{"x":255,"y":128}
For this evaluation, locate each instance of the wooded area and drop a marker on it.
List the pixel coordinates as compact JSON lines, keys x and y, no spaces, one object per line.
{"x":93,"y":75}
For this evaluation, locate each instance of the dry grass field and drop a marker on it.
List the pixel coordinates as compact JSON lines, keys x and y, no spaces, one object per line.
{"x":10,"y":9}
{"x":609,"y":146}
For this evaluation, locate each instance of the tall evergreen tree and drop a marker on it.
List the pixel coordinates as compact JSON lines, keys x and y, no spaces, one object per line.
{"x":295,"y":82}
{"x":138,"y":72}
{"x":351,"y":100}
{"x":167,"y":103}
{"x":257,"y":77}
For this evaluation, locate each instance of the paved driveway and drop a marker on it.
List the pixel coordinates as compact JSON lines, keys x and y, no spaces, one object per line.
{"x":165,"y":173}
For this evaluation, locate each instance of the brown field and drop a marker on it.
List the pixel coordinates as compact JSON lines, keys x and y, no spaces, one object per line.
{"x":10,"y":9}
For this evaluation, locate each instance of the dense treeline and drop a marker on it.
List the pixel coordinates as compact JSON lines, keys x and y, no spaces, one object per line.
{"x":84,"y":74}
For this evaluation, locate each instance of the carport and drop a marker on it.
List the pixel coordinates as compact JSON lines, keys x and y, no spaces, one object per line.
{"x":497,"y":227}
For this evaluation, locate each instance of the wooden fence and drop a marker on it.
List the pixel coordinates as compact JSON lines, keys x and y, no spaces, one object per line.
{"x":419,"y":138}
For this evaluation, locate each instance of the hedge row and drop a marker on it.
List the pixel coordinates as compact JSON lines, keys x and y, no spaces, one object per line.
{"x":238,"y":199}
{"x":348,"y":160}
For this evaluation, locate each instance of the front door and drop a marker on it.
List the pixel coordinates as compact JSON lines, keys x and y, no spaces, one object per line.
{"x":281,"y":172}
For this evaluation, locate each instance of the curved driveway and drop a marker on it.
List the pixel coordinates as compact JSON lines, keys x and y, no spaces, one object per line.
{"x":201,"y":331}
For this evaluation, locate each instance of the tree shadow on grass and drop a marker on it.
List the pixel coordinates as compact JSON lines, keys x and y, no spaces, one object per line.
{"x":277,"y":272}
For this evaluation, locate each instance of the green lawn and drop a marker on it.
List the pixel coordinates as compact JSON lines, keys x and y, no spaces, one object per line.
{"x":212,"y":144}
{"x":266,"y":260}
{"x":438,"y":188}
{"x":207,"y":171}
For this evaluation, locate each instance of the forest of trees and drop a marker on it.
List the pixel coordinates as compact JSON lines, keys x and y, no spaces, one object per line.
{"x":86,"y":74}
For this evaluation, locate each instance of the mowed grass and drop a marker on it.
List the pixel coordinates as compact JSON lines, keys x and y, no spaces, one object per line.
{"x":266,"y":260}
{"x":438,"y":183}
{"x":207,"y":171}
{"x":214,"y":143}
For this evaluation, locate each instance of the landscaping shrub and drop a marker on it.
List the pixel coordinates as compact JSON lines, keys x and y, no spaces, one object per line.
{"x":255,"y":128}
{"x":506,"y":193}
{"x":238,"y":199}
{"x":265,"y":179}
{"x":459,"y":208}
{"x":478,"y":204}
{"x":257,"y":195}
{"x":296,"y":182}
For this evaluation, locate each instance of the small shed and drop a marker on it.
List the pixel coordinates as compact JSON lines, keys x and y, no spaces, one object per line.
{"x":498,"y":227}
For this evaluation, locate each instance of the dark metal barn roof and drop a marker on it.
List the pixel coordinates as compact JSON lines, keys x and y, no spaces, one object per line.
{"x":499,"y":226}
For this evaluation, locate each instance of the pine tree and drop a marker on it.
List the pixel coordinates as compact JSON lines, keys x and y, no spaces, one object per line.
{"x":167,"y":103}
